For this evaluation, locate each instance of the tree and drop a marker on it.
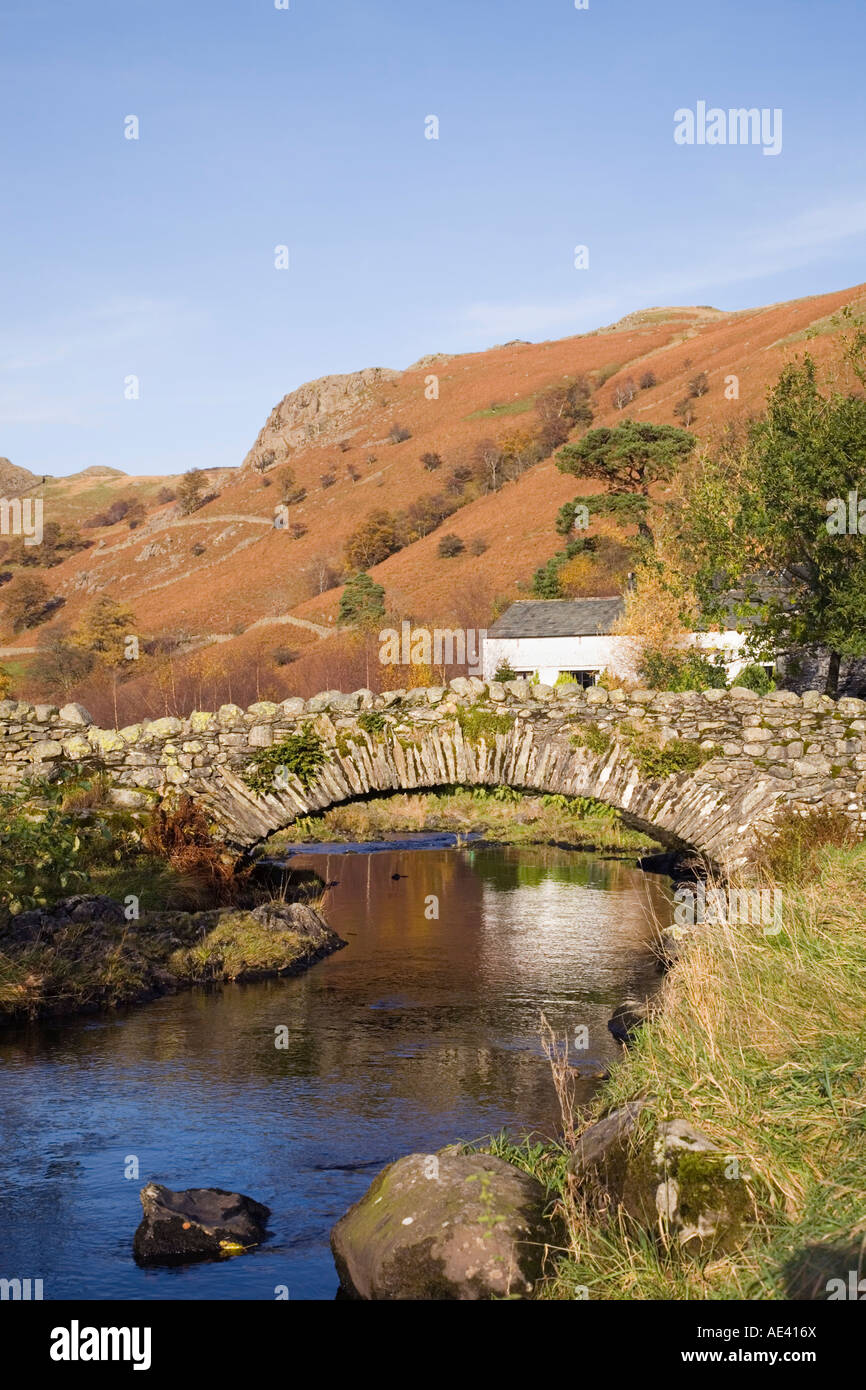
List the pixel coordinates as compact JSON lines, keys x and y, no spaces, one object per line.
{"x":398,"y":433}
{"x":630,"y":458}
{"x":684,"y":410}
{"x":487,"y":460}
{"x":779,"y":505}
{"x":561,"y":409}
{"x":699,"y":385}
{"x":61,"y":664}
{"x":431,"y":461}
{"x":362,"y":602}
{"x":374,"y":540}
{"x":28,"y":602}
{"x":191,"y":491}
{"x":103,"y":632}
{"x":648,"y":380}
{"x":624,"y":393}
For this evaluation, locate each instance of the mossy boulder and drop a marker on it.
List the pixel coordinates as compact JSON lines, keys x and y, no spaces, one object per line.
{"x":444,"y":1226}
{"x":666,"y":1176}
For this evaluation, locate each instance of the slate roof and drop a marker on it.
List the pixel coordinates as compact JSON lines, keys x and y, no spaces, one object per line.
{"x":558,"y":617}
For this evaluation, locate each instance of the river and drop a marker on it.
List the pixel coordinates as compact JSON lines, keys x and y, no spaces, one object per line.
{"x":422,"y":1031}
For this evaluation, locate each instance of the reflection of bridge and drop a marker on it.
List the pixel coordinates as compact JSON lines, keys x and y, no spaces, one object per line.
{"x":698,"y":770}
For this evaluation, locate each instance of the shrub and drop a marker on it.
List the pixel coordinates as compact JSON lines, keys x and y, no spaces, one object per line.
{"x":477,"y":546}
{"x":681,"y":670}
{"x":165,"y":495}
{"x":755,"y":678}
{"x":300,"y":755}
{"x":284,"y":656}
{"x":450,"y":545}
{"x":789,"y":850}
{"x":504,"y":672}
{"x":431,"y":462}
{"x":398,"y":433}
{"x":648,"y":380}
{"x":40,"y":856}
{"x":327,"y":480}
{"x":180,"y":834}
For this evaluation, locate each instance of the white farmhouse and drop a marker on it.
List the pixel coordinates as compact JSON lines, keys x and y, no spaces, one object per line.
{"x":574,"y":637}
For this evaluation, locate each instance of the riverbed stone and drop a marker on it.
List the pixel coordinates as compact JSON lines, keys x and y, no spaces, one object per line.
{"x":199,"y":1223}
{"x":444,"y":1226}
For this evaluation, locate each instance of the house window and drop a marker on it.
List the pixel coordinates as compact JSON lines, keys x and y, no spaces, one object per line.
{"x":584,"y":678}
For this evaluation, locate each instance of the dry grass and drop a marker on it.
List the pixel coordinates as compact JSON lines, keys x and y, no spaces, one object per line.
{"x":761,"y":1044}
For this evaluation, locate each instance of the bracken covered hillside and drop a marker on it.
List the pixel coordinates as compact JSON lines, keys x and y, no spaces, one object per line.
{"x":340,"y":448}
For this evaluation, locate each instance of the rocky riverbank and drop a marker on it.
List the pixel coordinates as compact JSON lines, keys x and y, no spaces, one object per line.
{"x":82,"y":954}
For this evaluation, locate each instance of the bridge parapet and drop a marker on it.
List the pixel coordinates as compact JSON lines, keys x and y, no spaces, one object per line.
{"x":699,"y":769}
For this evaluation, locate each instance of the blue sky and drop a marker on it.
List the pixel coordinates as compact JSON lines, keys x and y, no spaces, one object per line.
{"x":306,"y":127}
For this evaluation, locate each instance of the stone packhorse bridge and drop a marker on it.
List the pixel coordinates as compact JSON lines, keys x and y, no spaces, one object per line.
{"x":701,"y":771}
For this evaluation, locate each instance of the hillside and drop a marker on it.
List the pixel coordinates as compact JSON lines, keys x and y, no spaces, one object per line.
{"x":224,"y":575}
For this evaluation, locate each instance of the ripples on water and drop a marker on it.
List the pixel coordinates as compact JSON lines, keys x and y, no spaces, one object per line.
{"x":420,"y":1032}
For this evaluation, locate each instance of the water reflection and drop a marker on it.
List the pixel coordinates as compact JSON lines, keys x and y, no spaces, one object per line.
{"x":424,"y":1029}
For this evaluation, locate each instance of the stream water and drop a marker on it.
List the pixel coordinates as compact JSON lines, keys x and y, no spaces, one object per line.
{"x":423,"y":1030}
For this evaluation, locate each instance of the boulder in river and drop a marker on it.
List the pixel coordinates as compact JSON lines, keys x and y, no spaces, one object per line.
{"x":444,"y":1226}
{"x":202,"y":1223}
{"x":626,"y":1019}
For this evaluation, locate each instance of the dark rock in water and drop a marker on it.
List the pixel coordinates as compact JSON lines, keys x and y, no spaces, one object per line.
{"x":444,"y":1226}
{"x":626,"y":1020}
{"x":43,"y":922}
{"x":680,"y":865}
{"x":202,"y":1223}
